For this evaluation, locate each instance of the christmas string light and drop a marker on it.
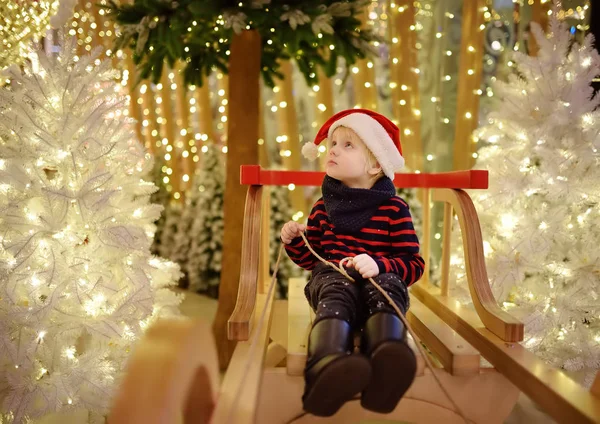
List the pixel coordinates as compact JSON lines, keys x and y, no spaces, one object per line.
{"x":22,"y":23}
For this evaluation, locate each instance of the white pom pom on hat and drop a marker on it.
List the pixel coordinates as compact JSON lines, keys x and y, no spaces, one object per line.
{"x":380,"y":135}
{"x":310,"y":151}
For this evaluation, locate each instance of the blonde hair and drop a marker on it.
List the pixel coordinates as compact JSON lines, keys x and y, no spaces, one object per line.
{"x":370,"y":159}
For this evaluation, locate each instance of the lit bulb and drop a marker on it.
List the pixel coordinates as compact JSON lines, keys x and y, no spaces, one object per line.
{"x":487,"y":248}
{"x":509,"y":222}
{"x":70,"y":352}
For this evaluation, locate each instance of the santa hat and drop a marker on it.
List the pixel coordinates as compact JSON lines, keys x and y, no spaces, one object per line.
{"x":380,"y":135}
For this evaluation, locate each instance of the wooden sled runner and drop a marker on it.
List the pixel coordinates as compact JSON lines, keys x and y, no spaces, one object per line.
{"x":264,"y":381}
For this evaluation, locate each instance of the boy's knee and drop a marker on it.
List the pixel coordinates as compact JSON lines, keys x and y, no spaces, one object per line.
{"x":395,"y":288}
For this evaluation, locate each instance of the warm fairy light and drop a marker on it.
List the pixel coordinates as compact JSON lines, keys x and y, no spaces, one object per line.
{"x":21,"y":23}
{"x":508,"y":221}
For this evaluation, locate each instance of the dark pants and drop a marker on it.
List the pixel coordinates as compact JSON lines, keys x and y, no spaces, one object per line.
{"x":331,"y":295}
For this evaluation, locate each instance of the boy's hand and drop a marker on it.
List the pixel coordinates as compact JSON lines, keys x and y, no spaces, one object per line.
{"x":291,"y":230}
{"x":365,"y":265}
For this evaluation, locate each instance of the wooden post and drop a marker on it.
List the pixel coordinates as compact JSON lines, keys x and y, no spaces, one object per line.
{"x":594,"y":21}
{"x":244,"y":73}
{"x":223,"y":102}
{"x":324,"y":107}
{"x":405,"y":83}
{"x":365,"y":92}
{"x":288,"y":127}
{"x":517,"y":21}
{"x":263,"y":152}
{"x":149,"y":112}
{"x":84,"y":25}
{"x":471,"y":57}
{"x":185,"y":132}
{"x":134,"y":107}
{"x":203,"y":107}
{"x":95,"y":32}
{"x":170,"y":131}
{"x":539,"y":14}
{"x":105,"y":25}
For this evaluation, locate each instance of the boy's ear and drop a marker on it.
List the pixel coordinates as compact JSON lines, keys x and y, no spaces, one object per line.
{"x":375,"y":169}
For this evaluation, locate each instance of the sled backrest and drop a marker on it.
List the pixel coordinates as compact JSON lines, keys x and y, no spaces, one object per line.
{"x":447,"y":187}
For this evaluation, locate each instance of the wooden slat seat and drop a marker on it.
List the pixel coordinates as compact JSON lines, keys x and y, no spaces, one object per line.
{"x":456,"y":354}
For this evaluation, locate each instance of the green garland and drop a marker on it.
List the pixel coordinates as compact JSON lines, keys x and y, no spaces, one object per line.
{"x":199,"y":34}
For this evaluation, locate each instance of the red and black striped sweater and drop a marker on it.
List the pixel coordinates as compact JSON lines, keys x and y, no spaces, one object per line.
{"x":388,"y":237}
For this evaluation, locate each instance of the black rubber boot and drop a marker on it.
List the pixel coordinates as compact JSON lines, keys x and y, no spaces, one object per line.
{"x":393,"y":363}
{"x":334,"y":373}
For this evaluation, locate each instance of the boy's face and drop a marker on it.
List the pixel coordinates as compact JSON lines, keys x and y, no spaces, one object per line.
{"x":348,"y":160}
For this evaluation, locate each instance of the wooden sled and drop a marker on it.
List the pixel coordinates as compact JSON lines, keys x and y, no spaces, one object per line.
{"x":264,"y":381}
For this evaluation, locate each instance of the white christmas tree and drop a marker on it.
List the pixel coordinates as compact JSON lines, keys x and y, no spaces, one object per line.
{"x":203,"y":266}
{"x":540,"y":215}
{"x":78,"y":284}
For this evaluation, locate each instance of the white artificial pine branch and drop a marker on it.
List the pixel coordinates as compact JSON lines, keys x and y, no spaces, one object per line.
{"x":541,"y":212}
{"x":78,"y":284}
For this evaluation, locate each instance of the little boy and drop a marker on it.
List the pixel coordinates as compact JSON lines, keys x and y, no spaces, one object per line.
{"x":359,"y":216}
